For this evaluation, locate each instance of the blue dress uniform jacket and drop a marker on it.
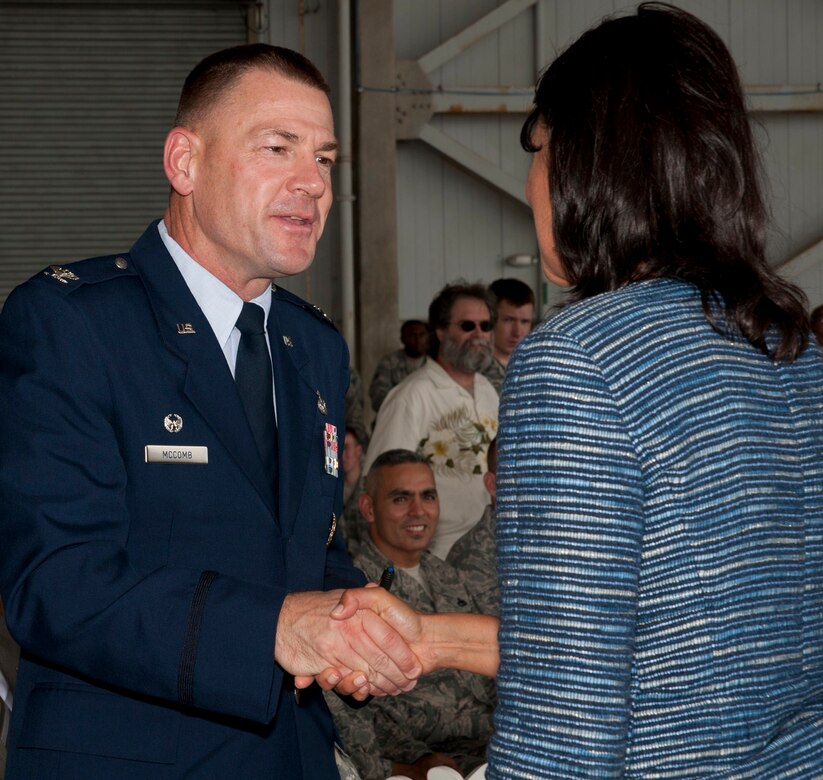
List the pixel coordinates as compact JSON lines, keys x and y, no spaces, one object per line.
{"x":145,"y":595}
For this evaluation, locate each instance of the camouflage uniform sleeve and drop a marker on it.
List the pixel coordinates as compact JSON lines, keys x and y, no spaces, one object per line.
{"x":353,"y":525}
{"x":354,"y":403}
{"x":381,"y":382}
{"x":495,"y":373}
{"x":358,"y":738}
{"x":395,"y":726}
{"x":474,"y":556}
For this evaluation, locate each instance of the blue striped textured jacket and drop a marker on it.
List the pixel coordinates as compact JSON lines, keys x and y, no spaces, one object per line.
{"x":660,"y":546}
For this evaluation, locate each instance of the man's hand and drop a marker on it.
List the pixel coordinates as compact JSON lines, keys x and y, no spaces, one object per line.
{"x":444,"y":640}
{"x":407,"y":621}
{"x":361,"y":647}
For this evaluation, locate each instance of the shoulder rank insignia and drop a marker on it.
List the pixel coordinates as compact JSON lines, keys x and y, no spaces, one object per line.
{"x":61,"y":274}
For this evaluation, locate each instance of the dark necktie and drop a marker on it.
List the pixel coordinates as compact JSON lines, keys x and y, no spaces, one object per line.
{"x":253,"y":377}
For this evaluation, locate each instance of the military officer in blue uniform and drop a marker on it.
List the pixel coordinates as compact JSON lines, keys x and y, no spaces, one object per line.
{"x":163,"y":586}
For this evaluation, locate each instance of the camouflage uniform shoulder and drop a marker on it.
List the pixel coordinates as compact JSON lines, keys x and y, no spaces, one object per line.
{"x":95,"y":270}
{"x":451,"y":591}
{"x":312,"y":308}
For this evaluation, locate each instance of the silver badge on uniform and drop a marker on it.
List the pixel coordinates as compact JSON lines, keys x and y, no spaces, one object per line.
{"x":186,"y":453}
{"x":61,"y":274}
{"x":185,"y":328}
{"x":173,"y":423}
{"x":330,"y":446}
{"x":321,"y":404}
{"x":287,"y":341}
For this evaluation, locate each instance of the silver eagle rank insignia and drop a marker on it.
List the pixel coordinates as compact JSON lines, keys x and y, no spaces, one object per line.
{"x":62,"y":275}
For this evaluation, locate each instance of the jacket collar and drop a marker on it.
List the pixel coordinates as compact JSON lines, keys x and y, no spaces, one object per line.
{"x":207,"y":380}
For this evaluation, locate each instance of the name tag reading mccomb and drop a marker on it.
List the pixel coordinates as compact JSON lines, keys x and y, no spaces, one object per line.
{"x":163,"y":453}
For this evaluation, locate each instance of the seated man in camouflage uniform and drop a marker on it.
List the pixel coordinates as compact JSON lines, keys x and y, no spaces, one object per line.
{"x":352,"y":525}
{"x":396,"y":366}
{"x":9,"y":656}
{"x":447,"y":719}
{"x":474,"y":555}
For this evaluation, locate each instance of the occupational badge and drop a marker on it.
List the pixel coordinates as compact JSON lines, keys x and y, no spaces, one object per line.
{"x":173,"y":423}
{"x":287,"y":341}
{"x":321,"y":404}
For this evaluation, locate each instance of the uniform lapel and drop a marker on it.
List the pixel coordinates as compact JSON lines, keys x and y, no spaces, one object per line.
{"x":207,"y":380}
{"x":296,"y":411}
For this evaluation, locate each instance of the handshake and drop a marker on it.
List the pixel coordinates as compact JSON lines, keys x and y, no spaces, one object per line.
{"x":365,"y":641}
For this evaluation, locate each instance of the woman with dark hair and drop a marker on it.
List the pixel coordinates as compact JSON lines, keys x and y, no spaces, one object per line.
{"x":660,"y":452}
{"x":660,"y":473}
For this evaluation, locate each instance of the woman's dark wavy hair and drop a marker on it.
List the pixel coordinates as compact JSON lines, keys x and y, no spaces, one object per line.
{"x":653,"y":172}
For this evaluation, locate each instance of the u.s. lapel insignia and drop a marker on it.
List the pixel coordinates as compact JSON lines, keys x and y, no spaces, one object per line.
{"x":185,"y":328}
{"x":173,"y":423}
{"x":321,"y":404}
{"x":330,"y":446}
{"x":332,"y":529}
{"x":287,"y":341}
{"x":62,"y":275}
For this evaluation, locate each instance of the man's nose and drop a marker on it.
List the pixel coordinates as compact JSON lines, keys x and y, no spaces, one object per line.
{"x":307,"y":178}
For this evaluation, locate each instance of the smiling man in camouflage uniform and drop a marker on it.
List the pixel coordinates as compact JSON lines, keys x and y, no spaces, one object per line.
{"x":446,"y":719}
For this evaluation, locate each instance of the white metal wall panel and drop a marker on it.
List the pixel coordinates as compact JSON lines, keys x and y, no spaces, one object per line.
{"x":314,"y":34}
{"x":87,"y":93}
{"x":774,"y":42}
{"x":802,"y":178}
{"x":468,"y":227}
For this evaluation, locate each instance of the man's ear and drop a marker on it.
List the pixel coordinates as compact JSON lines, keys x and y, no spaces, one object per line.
{"x":488,"y":481}
{"x":178,"y":154}
{"x":366,"y":506}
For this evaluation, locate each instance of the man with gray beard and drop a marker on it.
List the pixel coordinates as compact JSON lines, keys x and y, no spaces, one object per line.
{"x":447,"y":410}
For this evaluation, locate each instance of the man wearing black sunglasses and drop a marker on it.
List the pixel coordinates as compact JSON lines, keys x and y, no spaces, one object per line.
{"x":447,"y":409}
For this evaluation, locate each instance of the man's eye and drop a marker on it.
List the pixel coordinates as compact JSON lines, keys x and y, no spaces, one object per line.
{"x":326,"y":162}
{"x":276,"y":149}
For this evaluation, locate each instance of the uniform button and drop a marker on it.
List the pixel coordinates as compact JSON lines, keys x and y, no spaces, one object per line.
{"x":121,"y":263}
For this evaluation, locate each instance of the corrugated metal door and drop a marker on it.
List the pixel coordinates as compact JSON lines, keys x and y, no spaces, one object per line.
{"x":88,"y":91}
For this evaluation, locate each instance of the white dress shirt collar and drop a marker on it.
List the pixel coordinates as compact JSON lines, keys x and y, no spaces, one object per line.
{"x":220,"y":304}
